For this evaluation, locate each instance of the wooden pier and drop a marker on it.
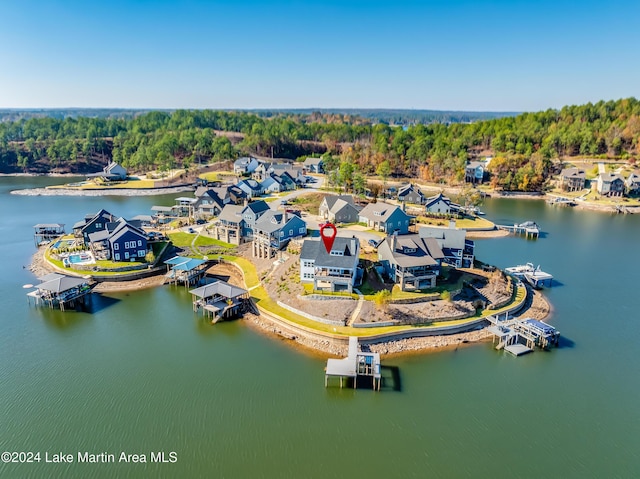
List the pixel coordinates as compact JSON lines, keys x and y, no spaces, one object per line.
{"x":356,"y":364}
{"x":60,"y":291}
{"x":529,"y":229}
{"x":522,"y":336}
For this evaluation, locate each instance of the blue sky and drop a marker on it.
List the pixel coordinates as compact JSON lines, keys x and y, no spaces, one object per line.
{"x":445,"y":54}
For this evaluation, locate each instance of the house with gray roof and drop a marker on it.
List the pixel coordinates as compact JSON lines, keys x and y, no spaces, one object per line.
{"x":112,"y":172}
{"x":458,"y":251}
{"x":474,"y":172}
{"x":385,"y":217}
{"x":333,"y":270}
{"x":411,"y":194}
{"x":119,"y":241}
{"x":339,"y":209}
{"x":251,"y":188}
{"x":314,"y":165}
{"x":245,"y":165}
{"x":411,"y":261}
{"x":632,"y":183}
{"x":610,"y":184}
{"x":276,"y":183}
{"x":208,"y":203}
{"x":228,"y":227}
{"x":274,"y":230}
{"x":572,"y":179}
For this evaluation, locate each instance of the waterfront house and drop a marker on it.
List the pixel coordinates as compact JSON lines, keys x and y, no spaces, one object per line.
{"x":474,"y":172}
{"x":119,"y":241}
{"x":184,"y":206}
{"x":457,"y":250}
{"x":228,"y":228}
{"x":336,"y":270}
{"x":440,"y":205}
{"x":230,"y":194}
{"x":411,"y":194}
{"x":273,"y":231}
{"x":411,"y":261}
{"x":245,"y":165}
{"x":572,"y":179}
{"x":314,"y":165}
{"x":276,"y":183}
{"x":385,"y":217}
{"x":250,"y":215}
{"x":112,"y":172}
{"x":92,"y":223}
{"x":632,"y":183}
{"x":251,"y":188}
{"x":610,"y":184}
{"x":207,"y":203}
{"x":339,"y":209}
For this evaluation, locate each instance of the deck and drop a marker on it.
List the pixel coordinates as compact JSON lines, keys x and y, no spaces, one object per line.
{"x":356,"y":364}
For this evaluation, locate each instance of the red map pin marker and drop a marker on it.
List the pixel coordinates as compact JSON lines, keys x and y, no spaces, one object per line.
{"x":328,"y":233}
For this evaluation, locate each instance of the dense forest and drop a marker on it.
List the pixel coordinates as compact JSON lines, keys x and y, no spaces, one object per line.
{"x":524,"y":146}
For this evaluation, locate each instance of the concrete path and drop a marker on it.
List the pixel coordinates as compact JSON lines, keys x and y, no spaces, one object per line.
{"x":356,"y":312}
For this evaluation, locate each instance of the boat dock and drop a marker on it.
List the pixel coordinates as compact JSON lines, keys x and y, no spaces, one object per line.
{"x":561,"y":201}
{"x":529,"y":229}
{"x":47,"y":232}
{"x":521,"y":336}
{"x":185,"y":270}
{"x":59,"y":290}
{"x":532,"y":275}
{"x":356,"y":364}
{"x":220,"y":300}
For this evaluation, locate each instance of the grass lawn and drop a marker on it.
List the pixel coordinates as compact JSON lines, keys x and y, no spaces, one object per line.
{"x":211,"y":176}
{"x":182,"y":240}
{"x":466,"y":223}
{"x":309,"y":202}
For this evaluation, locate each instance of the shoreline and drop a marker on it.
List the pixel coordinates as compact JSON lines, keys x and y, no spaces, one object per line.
{"x":101,"y":192}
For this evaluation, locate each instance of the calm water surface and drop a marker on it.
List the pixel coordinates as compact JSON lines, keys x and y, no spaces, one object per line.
{"x":141,"y":373}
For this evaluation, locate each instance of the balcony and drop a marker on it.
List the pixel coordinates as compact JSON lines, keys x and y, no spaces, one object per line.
{"x":327,"y":275}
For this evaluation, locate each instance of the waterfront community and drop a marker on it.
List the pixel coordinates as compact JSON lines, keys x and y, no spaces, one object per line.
{"x":245,"y":243}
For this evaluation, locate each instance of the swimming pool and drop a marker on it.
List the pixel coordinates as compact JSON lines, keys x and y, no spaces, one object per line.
{"x":66,"y":243}
{"x":81,"y":258}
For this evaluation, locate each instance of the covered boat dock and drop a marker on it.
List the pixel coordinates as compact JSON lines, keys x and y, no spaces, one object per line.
{"x":185,"y":270}
{"x":59,"y":290}
{"x":220,"y":300}
{"x":356,"y":364}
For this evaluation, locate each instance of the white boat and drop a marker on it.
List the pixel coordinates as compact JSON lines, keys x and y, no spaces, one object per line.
{"x":521,"y":270}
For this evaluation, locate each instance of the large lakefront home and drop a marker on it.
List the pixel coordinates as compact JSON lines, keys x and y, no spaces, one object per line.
{"x":339,"y":209}
{"x":457,"y":250}
{"x":411,"y":194}
{"x":386,"y":217}
{"x":236,"y":223}
{"x":336,"y":270}
{"x":411,"y":261}
{"x":112,"y":172}
{"x":610,"y":184}
{"x":572,"y":179}
{"x":474,"y":172}
{"x":273,"y":231}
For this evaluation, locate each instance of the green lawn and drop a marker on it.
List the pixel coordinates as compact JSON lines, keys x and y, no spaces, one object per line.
{"x":211,"y":176}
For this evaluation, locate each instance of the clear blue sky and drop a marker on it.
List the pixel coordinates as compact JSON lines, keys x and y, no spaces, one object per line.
{"x":445,"y":54}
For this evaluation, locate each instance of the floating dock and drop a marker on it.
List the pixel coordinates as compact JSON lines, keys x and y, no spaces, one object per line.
{"x":522,"y":336}
{"x":356,"y":364}
{"x":532,"y":275}
{"x":561,"y":201}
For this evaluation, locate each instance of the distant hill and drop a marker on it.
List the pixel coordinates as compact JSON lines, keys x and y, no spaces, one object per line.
{"x":387,"y":116}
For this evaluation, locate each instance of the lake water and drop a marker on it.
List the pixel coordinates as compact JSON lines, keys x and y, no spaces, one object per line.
{"x":143,"y":374}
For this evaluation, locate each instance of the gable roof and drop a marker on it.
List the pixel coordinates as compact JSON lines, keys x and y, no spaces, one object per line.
{"x":573,"y":173}
{"x":380,"y":211}
{"x":314,"y":249}
{"x":312,"y":161}
{"x":59,"y":283}
{"x":257,"y":206}
{"x":331,"y":200}
{"x":231,"y":213}
{"x":184,"y":263}
{"x":219,"y":287}
{"x":446,"y":237}
{"x":406,"y":189}
{"x":475,"y":164}
{"x":610,"y":177}
{"x":432,"y":200}
{"x":339,"y":204}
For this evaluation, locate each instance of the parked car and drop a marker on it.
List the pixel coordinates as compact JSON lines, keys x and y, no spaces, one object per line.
{"x":191,"y":230}
{"x":200,"y":222}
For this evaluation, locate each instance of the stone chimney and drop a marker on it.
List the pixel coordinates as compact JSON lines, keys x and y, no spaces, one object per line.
{"x":394,"y":241}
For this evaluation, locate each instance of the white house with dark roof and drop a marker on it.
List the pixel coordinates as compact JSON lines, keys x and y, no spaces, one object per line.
{"x":458,"y":251}
{"x":336,"y":270}
{"x":610,"y":184}
{"x":112,"y":172}
{"x":411,"y":194}
{"x":385,"y":217}
{"x":440,"y":205}
{"x":632,"y":183}
{"x":411,"y":261}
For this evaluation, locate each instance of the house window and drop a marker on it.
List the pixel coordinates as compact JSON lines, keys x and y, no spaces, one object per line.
{"x":281,"y":234}
{"x":98,"y":225}
{"x":126,"y":255}
{"x":301,"y":230}
{"x":308,"y":264}
{"x":308,"y":276}
{"x":406,"y":222}
{"x":290,"y":232}
{"x":117,"y":256}
{"x":116,"y":246}
{"x":139,"y":242}
{"x":142,"y":253}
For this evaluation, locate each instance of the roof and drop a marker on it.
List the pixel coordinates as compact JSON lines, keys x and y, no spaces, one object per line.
{"x":339,"y":204}
{"x":251,"y":184}
{"x":573,"y":173}
{"x":432,"y":200}
{"x":218,"y":288}
{"x":427,"y":250}
{"x":60,"y":283}
{"x":272,"y":221}
{"x":383,"y":210}
{"x":142,"y":218}
{"x":163,"y":209}
{"x":610,"y":177}
{"x":406,"y":189}
{"x":99,"y":235}
{"x":184,"y":263}
{"x":244,"y":161}
{"x":258,"y":206}
{"x":475,"y":164}
{"x":331,"y":200}
{"x":123,"y":228}
{"x":231,"y":213}
{"x":446,"y":237}
{"x":49,"y":225}
{"x":314,"y":249}
{"x":312,"y":161}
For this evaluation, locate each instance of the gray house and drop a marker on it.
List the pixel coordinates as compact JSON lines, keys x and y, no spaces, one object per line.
{"x":474,"y":172}
{"x":411,"y":194}
{"x":112,"y":172}
{"x":339,"y":209}
{"x":250,"y":215}
{"x":229,"y":226}
{"x":207,"y":203}
{"x":457,"y":250}
{"x":610,"y":184}
{"x":274,"y":230}
{"x":314,"y":165}
{"x":385,"y":217}
{"x":633,"y":183}
{"x":250,"y":187}
{"x":245,"y":165}
{"x":336,"y":270}
{"x":119,"y":241}
{"x":411,"y":261}
{"x":572,"y":179}
{"x":440,"y":205}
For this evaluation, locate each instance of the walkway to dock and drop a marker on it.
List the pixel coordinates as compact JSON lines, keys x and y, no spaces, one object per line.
{"x":530,"y":229}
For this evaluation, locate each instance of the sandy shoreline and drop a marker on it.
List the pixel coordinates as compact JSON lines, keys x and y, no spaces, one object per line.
{"x":105,"y":192}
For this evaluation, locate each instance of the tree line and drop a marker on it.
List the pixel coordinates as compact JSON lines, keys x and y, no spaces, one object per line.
{"x":523,"y":146}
